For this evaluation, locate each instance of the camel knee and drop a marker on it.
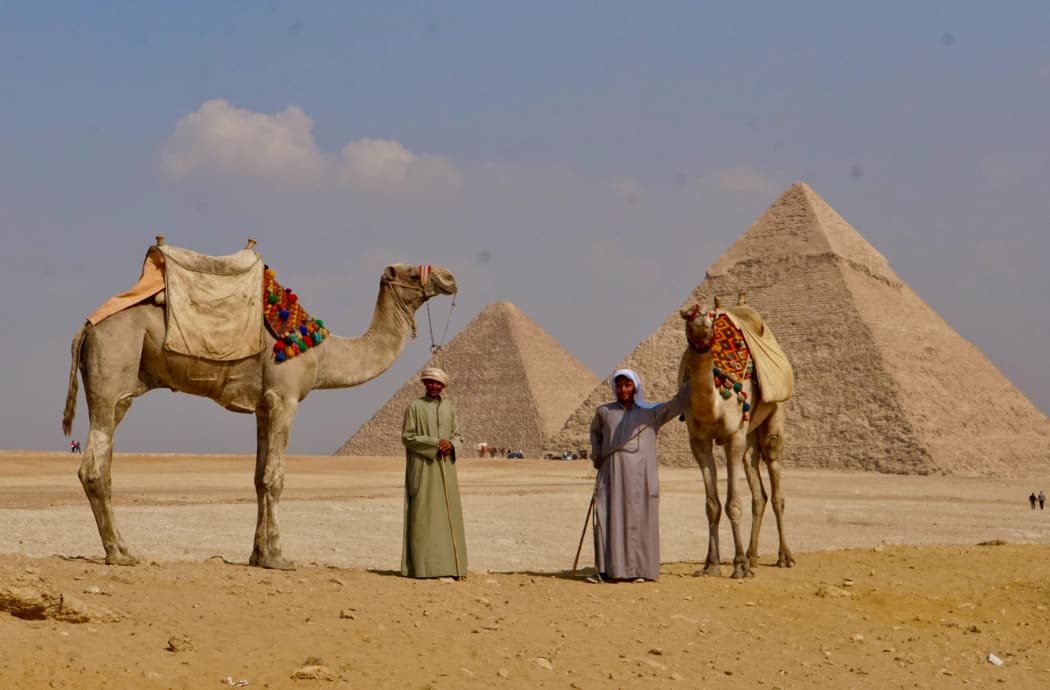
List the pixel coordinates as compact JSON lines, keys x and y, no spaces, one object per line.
{"x":95,"y":481}
{"x":758,"y":503}
{"x":269,"y":482}
{"x":772,"y":447}
{"x":714,"y":510}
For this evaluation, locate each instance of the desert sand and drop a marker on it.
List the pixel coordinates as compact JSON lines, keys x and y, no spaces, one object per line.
{"x":902,"y":581}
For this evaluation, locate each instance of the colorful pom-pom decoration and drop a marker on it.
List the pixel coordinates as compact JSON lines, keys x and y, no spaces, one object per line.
{"x":292,"y":327}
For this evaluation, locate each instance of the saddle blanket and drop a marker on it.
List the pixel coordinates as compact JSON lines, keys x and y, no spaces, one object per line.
{"x":772,"y":368}
{"x":214,"y":305}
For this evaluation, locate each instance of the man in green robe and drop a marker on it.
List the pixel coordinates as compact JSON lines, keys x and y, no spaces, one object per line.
{"x":434,"y":541}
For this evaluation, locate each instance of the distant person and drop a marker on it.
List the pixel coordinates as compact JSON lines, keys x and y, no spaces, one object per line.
{"x":1042,"y":499}
{"x":72,"y":446}
{"x":76,"y":446}
{"x":627,"y":495}
{"x":434,"y":543}
{"x":1031,"y":500}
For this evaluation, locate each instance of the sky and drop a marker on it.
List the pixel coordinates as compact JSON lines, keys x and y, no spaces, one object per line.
{"x":587,"y":161}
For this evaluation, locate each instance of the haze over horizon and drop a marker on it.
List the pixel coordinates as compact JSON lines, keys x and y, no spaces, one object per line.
{"x":586,"y":161}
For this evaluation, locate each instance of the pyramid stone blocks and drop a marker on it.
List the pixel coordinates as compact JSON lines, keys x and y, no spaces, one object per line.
{"x":512,"y":383}
{"x":882,"y":382}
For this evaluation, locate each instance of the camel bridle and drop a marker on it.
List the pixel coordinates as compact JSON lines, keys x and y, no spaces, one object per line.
{"x":425,"y":271}
{"x":704,"y":347}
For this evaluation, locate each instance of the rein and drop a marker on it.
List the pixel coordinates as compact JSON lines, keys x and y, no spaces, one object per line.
{"x":435,"y":346}
{"x":424,"y":278}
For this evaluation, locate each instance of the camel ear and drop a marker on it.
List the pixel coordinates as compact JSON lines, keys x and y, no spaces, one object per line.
{"x":741,"y":297}
{"x":389,"y":274}
{"x":718,"y":302}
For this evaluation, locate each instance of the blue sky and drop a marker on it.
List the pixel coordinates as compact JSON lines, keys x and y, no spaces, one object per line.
{"x":585,"y":160}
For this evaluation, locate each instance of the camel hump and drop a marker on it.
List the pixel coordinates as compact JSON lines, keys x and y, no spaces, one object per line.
{"x":749,"y":316}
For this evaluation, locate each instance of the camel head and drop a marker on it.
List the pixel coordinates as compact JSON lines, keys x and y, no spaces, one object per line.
{"x":414,"y":285}
{"x":699,"y":327}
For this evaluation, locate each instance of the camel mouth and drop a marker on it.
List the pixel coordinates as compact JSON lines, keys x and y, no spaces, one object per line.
{"x":442,"y":282}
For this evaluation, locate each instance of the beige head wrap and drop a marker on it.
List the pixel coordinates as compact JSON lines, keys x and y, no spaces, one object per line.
{"x":434,"y":374}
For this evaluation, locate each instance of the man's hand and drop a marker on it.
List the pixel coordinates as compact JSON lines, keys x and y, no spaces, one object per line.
{"x":444,"y":447}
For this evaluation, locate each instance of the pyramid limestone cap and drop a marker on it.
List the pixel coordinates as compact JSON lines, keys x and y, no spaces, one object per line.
{"x":801,"y":223}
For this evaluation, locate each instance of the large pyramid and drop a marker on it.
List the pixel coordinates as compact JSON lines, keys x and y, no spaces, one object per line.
{"x":882,"y":382}
{"x":512,"y":383}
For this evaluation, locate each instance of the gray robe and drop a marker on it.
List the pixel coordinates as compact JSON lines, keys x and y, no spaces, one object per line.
{"x":427,"y":544}
{"x":627,"y":506}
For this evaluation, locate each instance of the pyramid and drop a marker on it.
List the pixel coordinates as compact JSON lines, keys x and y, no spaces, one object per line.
{"x":512,"y":383}
{"x":882,"y":383}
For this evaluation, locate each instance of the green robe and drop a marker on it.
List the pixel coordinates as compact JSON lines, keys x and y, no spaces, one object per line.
{"x":427,"y":549}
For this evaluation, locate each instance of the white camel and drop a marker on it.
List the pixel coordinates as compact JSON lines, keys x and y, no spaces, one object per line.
{"x":121,"y":357}
{"x":751,"y":430}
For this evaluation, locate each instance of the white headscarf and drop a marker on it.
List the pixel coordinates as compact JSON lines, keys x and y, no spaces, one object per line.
{"x":434,"y":374}
{"x":639,"y":398}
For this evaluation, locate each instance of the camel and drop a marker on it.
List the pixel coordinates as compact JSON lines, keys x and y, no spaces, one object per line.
{"x":750,"y":430}
{"x":121,"y":357}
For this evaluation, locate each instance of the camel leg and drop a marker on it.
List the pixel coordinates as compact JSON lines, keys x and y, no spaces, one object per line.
{"x":273,"y":425}
{"x":705,"y":458}
{"x":772,"y":449}
{"x":734,"y":449}
{"x":752,"y":461}
{"x":94,"y":474}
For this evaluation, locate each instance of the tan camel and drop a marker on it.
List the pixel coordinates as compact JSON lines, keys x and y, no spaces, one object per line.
{"x":749,"y":429}
{"x":121,"y":358}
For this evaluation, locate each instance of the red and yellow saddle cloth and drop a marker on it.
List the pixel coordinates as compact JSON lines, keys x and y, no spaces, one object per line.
{"x":295,"y":330}
{"x":732,"y":360}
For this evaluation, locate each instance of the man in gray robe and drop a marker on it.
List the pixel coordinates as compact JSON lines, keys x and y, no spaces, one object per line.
{"x":434,"y":542}
{"x":627,"y":497}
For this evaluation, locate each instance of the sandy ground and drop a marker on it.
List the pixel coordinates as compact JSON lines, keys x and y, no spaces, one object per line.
{"x":900,"y":582}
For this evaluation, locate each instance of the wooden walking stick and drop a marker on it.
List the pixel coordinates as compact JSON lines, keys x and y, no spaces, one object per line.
{"x":448,"y":511}
{"x":579,"y":547}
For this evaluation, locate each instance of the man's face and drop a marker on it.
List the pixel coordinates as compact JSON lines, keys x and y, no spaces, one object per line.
{"x":624,"y":389}
{"x":433,"y":387}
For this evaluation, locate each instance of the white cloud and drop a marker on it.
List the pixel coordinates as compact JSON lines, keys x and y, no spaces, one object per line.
{"x":382,"y":164}
{"x":220,"y":138}
{"x":376,"y":160}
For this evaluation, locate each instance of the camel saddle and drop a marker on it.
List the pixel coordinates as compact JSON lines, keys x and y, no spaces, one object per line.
{"x":775,"y":376}
{"x":214,"y":307}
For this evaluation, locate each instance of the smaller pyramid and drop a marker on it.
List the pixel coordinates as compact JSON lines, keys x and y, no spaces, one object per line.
{"x":512,"y":383}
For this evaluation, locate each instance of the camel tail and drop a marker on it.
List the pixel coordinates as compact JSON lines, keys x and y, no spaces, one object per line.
{"x":71,"y":394}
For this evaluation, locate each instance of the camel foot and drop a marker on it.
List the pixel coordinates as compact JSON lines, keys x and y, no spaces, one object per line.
{"x":786,"y":560}
{"x":741,"y":572}
{"x":709,"y":570}
{"x":120,"y":558}
{"x":275,"y":564}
